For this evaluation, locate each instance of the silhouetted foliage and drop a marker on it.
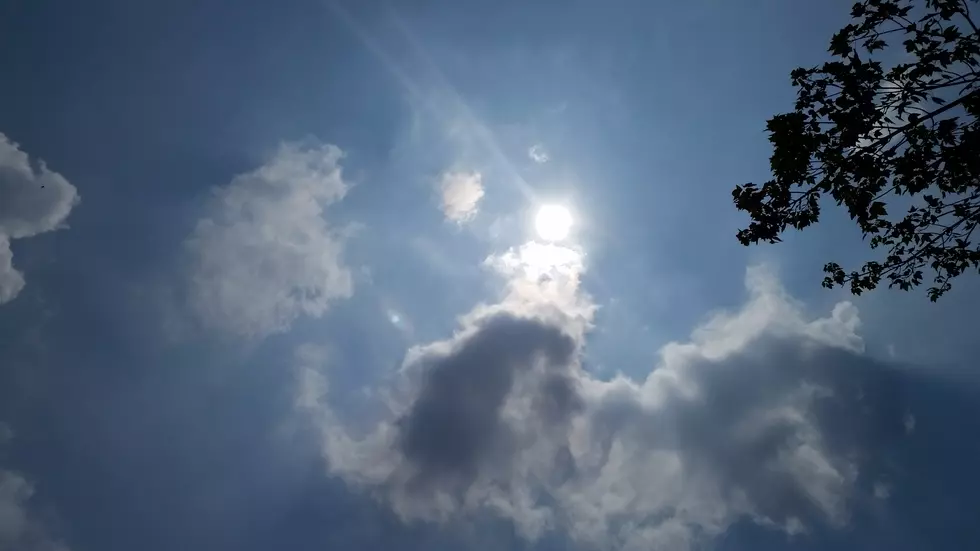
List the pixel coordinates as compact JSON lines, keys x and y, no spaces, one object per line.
{"x":866,"y":132}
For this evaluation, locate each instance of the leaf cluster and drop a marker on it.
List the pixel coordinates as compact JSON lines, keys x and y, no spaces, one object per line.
{"x":864,"y":134}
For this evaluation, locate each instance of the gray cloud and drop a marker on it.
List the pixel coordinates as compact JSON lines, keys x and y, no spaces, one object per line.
{"x":762,"y":415}
{"x":21,"y":528}
{"x":32,"y":201}
{"x":265,"y":255}
{"x":454,"y":426}
{"x":461,"y":195}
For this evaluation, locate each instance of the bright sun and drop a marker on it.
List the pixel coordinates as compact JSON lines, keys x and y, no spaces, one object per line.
{"x":553,"y":222}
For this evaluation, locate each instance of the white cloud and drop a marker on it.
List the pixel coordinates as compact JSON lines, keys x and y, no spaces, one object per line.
{"x":265,"y":255}
{"x":538,"y":154}
{"x":543,"y":280}
{"x":310,"y":359}
{"x":32,"y":201}
{"x":909,"y":423}
{"x":756,"y":417}
{"x":461,"y":195}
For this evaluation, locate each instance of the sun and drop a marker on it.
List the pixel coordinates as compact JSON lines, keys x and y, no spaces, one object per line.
{"x":553,"y":222}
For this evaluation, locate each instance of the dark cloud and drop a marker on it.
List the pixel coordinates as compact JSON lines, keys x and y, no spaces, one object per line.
{"x":455,"y":424}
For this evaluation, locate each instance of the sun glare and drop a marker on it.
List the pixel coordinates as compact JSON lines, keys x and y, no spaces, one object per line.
{"x":553,"y":222}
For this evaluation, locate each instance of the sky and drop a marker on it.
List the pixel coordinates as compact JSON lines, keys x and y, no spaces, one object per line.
{"x":275,"y":275}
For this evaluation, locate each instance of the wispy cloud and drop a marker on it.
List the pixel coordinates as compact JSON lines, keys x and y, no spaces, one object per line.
{"x":21,"y":527}
{"x":461,"y":195}
{"x":32,"y":201}
{"x":909,"y":423}
{"x":265,"y":255}
{"x":538,"y":154}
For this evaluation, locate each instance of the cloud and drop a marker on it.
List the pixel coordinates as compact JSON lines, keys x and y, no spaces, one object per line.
{"x":265,"y":255}
{"x":538,"y":154}
{"x":762,"y":415}
{"x":21,"y":529}
{"x":32,"y":201}
{"x":461,"y":194}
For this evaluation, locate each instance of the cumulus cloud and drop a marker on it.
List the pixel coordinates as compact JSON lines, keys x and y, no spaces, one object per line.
{"x":538,"y":154}
{"x":265,"y":255}
{"x":762,"y":415}
{"x":32,"y":201}
{"x":461,"y":195}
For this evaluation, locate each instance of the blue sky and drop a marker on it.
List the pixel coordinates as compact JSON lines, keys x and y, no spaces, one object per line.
{"x":282,"y":289}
